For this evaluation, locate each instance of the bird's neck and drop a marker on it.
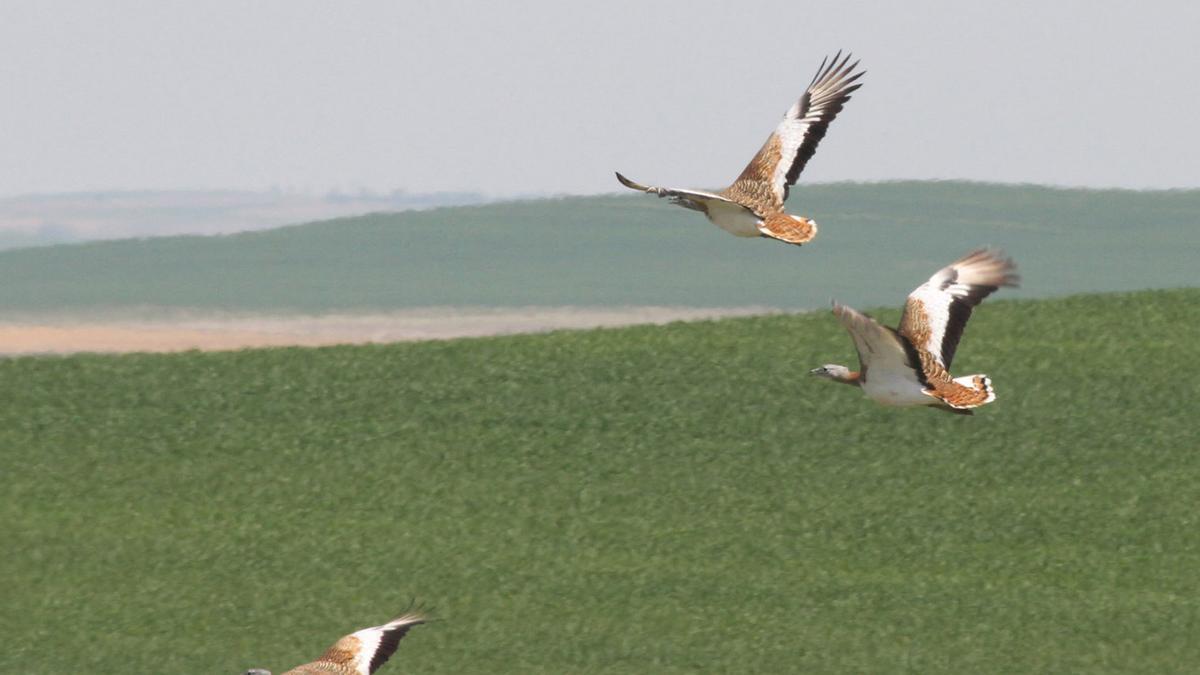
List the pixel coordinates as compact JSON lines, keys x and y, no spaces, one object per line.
{"x":854,"y":378}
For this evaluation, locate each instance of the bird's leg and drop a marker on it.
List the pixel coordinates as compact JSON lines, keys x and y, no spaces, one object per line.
{"x":686,"y":203}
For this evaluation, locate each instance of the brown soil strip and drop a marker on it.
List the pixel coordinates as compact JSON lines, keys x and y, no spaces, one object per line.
{"x":65,"y":334}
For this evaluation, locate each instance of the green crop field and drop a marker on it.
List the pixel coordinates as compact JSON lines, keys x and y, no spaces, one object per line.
{"x":644,"y":500}
{"x":876,"y":242}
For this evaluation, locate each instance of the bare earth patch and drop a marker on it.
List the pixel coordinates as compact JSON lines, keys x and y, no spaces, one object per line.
{"x":181,"y":331}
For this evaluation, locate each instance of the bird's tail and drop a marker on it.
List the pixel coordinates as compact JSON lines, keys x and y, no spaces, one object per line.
{"x":788,"y":228}
{"x":981,"y":386}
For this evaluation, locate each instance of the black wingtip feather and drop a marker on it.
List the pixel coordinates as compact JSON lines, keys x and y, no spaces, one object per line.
{"x":835,"y":80}
{"x":817,"y":75}
{"x":390,"y":640}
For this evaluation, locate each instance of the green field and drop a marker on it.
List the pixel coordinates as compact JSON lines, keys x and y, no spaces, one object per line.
{"x":876,"y":242}
{"x":644,"y":500}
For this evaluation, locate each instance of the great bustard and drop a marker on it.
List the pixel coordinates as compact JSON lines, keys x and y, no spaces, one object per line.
{"x":911,"y":366}
{"x":753,"y":205}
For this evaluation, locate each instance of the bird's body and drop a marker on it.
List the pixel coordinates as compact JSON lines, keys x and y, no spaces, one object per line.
{"x":910,"y":365}
{"x":732,"y":217}
{"x":752,"y":206}
{"x":359,"y":653}
{"x":895,"y":388}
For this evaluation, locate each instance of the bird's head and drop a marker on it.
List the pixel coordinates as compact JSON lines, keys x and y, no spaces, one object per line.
{"x":257,"y":671}
{"x":831,"y":371}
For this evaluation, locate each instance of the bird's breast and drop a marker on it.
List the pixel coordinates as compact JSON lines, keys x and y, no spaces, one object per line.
{"x":891,"y":390}
{"x":733,"y":219}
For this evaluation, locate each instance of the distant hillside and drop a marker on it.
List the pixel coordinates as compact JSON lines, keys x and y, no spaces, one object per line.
{"x":876,"y":242}
{"x":40,"y":220}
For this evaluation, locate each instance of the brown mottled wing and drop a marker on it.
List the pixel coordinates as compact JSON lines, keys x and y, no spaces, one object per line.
{"x":937,"y":311}
{"x":777,"y":166}
{"x":341,"y":658}
{"x":880,"y":349}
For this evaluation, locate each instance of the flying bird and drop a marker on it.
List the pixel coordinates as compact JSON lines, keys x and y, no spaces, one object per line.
{"x":911,"y":366}
{"x":359,"y":653}
{"x":753,"y":205}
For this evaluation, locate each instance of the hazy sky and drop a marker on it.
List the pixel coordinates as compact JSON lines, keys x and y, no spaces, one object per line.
{"x":547,"y":96}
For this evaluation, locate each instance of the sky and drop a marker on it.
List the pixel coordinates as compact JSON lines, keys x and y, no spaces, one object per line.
{"x":549,"y":97}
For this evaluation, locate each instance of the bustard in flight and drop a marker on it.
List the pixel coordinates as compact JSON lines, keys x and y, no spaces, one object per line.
{"x":753,"y":205}
{"x":911,"y":366}
{"x":359,"y":653}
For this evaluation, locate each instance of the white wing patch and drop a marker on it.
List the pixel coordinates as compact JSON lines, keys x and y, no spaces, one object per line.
{"x":935,"y":303}
{"x":368,"y":644}
{"x":371,"y":639}
{"x":805,"y":123}
{"x":947,"y":299}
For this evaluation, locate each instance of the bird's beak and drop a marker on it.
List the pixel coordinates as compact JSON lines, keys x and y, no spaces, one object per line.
{"x":816,"y":371}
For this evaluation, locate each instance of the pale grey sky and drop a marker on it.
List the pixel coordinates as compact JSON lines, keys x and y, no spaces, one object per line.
{"x":550,"y":97}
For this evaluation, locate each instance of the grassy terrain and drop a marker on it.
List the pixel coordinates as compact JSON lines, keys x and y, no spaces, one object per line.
{"x":876,"y":241}
{"x":644,"y":500}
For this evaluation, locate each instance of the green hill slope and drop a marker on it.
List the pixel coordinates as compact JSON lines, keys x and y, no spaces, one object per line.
{"x":644,"y":500}
{"x":876,"y":241}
